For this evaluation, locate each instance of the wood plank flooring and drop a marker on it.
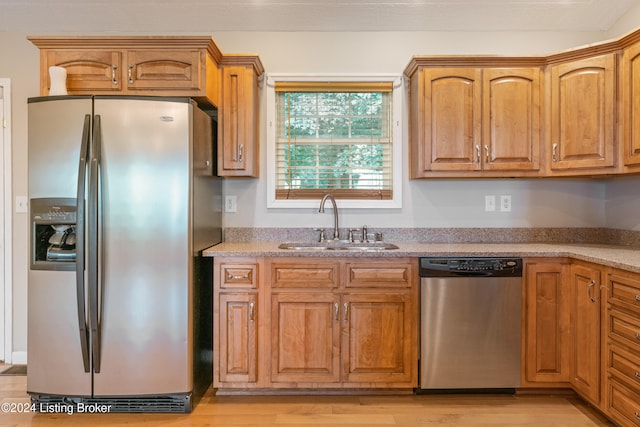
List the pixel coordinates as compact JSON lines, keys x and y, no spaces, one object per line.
{"x":318,"y":411}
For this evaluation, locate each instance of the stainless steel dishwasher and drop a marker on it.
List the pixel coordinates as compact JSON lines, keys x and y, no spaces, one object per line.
{"x":471,"y":323}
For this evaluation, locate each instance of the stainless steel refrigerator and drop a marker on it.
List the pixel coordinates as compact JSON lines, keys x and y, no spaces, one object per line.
{"x":123,"y":199}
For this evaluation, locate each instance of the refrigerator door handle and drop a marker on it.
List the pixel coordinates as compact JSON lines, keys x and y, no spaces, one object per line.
{"x":94,"y":250}
{"x":80,"y":242}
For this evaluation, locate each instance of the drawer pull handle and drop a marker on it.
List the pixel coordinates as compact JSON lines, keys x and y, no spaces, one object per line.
{"x":638,"y":298}
{"x":637,"y":375}
{"x":336,"y":307}
{"x":638,"y":336}
{"x":130,"y":73}
{"x":554,"y":152}
{"x":238,"y":277}
{"x":114,"y":80}
{"x":251,"y":312}
{"x":478,"y":154}
{"x":637,"y":415}
{"x":346,"y":311}
{"x":589,"y":290}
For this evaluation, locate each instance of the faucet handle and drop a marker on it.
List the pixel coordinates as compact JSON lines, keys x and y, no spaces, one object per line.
{"x":351,"y":231}
{"x":321,"y":238}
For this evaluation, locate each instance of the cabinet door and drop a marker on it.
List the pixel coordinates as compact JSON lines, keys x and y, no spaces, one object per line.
{"x":305,"y":338}
{"x":238,"y":142}
{"x":165,"y":70}
{"x":585,"y":331}
{"x":88,"y":71}
{"x":547,"y":322}
{"x":452,"y":118}
{"x":630,"y":113}
{"x":380,"y":345}
{"x":238,"y":337}
{"x":582,"y":113}
{"x":511,"y":119}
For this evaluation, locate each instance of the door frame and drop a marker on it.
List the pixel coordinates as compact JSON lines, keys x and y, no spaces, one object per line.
{"x":6,"y":282}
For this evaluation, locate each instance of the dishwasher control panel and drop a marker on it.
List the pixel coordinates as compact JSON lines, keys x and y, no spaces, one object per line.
{"x":471,"y":266}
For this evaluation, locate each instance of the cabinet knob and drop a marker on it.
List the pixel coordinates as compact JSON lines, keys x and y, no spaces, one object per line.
{"x":638,"y":298}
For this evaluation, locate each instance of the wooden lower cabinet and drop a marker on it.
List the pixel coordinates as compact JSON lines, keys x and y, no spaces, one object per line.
{"x":316,"y":323}
{"x":622,"y":381}
{"x":585,"y":310}
{"x":305,"y":338}
{"x":378,"y":342}
{"x":238,"y":334}
{"x":237,"y":322}
{"x":546,"y":324}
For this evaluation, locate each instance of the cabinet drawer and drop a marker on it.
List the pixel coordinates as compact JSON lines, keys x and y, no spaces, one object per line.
{"x":624,"y":291}
{"x":624,"y":404}
{"x":625,"y":366}
{"x":307,"y":275}
{"x":239,"y":276}
{"x":624,"y":328}
{"x":385,"y":275}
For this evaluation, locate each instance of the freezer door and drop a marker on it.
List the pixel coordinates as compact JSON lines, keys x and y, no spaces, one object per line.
{"x":144,"y":248}
{"x":54,"y":353}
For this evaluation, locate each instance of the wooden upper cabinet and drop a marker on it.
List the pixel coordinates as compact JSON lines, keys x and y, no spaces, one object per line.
{"x":582,"y":114}
{"x":155,"y":66}
{"x":630,"y":107}
{"x":480,"y":120}
{"x":165,"y":70}
{"x":87,"y":71}
{"x":511,"y":119}
{"x":238,"y":146}
{"x":451,"y":124}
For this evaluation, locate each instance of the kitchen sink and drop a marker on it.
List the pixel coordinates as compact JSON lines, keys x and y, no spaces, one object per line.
{"x":339,"y":246}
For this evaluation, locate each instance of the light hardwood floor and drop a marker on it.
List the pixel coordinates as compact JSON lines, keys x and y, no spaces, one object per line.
{"x":369,"y":411}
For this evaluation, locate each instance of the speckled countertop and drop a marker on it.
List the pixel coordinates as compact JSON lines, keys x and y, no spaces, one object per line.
{"x":624,"y":257}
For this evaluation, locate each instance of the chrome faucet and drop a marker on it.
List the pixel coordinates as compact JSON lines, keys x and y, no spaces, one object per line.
{"x":336,"y":232}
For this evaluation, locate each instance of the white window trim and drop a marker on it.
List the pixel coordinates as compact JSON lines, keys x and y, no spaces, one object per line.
{"x":397,"y":102}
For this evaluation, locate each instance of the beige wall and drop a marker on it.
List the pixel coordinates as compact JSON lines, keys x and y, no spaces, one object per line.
{"x":447,"y":203}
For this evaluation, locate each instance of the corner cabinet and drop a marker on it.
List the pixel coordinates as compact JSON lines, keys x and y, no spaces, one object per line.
{"x":583,"y":96}
{"x":630,"y":105}
{"x":239,"y":123}
{"x":585,"y":309}
{"x":156,"y":66}
{"x":480,"y":121}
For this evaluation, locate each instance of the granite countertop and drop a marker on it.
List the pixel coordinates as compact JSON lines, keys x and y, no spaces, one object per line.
{"x":624,"y":257}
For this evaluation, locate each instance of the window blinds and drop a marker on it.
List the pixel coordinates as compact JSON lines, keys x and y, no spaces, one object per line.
{"x":333,"y":137}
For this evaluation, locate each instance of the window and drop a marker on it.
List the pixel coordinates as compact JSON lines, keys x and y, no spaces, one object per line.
{"x":334,"y":135}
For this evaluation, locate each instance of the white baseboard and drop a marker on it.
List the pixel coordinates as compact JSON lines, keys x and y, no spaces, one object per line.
{"x":19,"y":358}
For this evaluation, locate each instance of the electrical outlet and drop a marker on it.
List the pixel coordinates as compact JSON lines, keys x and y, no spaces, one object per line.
{"x":22,"y":204}
{"x":505,"y":203}
{"x":230,"y":204}
{"x":489,"y":203}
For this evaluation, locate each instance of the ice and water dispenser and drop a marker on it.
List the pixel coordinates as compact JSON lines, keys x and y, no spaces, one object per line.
{"x":53,"y":233}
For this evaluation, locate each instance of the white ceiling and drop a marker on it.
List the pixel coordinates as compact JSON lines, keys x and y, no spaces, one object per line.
{"x":207,"y":16}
